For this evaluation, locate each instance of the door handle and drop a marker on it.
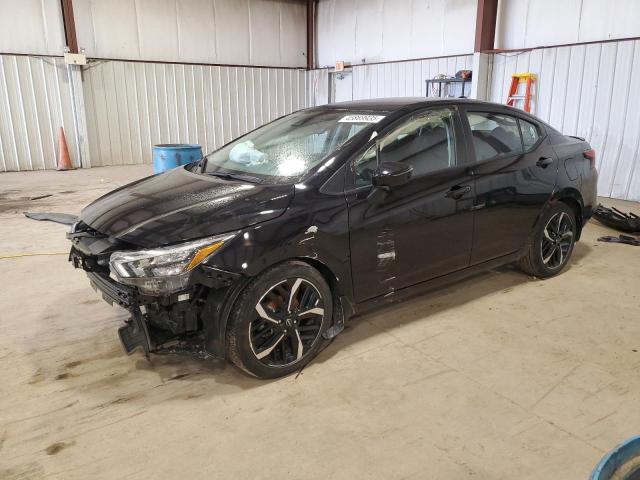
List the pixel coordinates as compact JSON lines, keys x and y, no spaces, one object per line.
{"x":457,"y":191}
{"x":544,"y":162}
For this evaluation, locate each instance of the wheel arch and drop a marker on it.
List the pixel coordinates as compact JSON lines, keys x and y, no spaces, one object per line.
{"x":324,"y":270}
{"x":343,"y":305}
{"x":569,"y":196}
{"x":573,"y":198}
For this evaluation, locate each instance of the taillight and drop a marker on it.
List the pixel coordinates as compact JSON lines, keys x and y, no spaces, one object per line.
{"x":591,"y":156}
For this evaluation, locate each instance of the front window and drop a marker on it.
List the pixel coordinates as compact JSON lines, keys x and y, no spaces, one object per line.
{"x":287,"y":149}
{"x":425,"y":141}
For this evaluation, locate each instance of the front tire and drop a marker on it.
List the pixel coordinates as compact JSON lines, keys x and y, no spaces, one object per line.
{"x":277,"y":322}
{"x":552,"y":243}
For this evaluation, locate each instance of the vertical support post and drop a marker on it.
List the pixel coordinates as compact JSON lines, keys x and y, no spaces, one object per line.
{"x":311,"y":34}
{"x":76,"y":89}
{"x":76,"y":92}
{"x":486,"y":16}
{"x":69,"y":25}
{"x":481,"y":75}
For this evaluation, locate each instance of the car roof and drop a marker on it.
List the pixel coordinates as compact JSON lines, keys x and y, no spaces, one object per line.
{"x":389,"y":105}
{"x":395,"y":106}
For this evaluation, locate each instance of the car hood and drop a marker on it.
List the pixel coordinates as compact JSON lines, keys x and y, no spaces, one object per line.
{"x":179,"y":205}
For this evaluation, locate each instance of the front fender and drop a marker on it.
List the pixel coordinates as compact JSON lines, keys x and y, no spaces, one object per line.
{"x":312,"y":228}
{"x":317,"y":231}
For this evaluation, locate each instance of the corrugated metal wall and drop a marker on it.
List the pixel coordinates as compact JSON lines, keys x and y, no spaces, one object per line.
{"x":591,"y":91}
{"x":403,"y":79}
{"x":31,"y":27}
{"x":533,"y":23}
{"x":317,"y":87}
{"x":237,"y":32}
{"x":244,"y":32}
{"x":132,"y":106}
{"x":393,"y":79}
{"x":369,"y":31}
{"x":35,"y":101}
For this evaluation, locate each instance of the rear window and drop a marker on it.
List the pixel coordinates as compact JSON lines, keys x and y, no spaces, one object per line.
{"x":494,"y":134}
{"x":530,"y":134}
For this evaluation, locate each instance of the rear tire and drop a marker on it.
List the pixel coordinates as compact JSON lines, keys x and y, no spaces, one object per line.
{"x":276,"y":325}
{"x":552,"y":243}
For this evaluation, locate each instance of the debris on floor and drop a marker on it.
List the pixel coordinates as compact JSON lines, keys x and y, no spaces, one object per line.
{"x":614,"y":218}
{"x":63,"y":218}
{"x":39,"y":197}
{"x":627,"y":239}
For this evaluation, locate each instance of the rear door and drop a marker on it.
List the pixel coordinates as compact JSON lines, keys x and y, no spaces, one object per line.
{"x":515,"y":171}
{"x":423,"y":228}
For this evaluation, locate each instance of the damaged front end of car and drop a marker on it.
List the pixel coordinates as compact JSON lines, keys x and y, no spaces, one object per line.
{"x":175,"y":299}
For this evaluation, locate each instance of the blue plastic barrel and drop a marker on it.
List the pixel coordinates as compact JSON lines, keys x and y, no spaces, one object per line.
{"x":621,"y":463}
{"x":170,"y":155}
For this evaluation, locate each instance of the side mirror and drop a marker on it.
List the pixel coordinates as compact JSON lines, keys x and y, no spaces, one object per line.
{"x":391,"y":174}
{"x":387,"y":176}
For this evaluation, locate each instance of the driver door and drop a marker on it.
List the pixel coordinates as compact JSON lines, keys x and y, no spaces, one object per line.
{"x":422,"y":229}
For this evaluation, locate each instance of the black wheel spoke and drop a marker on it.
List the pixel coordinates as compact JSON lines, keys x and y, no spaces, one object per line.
{"x":298,"y":344}
{"x":292,"y":296}
{"x":270,"y":347}
{"x":303,"y":329}
{"x":288,"y":321}
{"x":307,"y":297}
{"x":550,"y":254}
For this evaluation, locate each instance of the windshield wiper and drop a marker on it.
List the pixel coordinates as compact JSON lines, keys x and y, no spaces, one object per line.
{"x":235,"y":176}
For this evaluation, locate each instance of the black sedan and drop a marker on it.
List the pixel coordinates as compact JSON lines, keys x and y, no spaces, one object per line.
{"x":263,"y":249}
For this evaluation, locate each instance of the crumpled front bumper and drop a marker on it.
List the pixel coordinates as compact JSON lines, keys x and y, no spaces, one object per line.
{"x":112,"y":291}
{"x":135,"y":333}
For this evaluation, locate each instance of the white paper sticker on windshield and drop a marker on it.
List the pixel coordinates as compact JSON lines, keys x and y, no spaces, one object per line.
{"x":361,"y":119}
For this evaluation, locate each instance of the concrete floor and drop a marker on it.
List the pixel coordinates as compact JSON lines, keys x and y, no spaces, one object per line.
{"x":501,"y":376}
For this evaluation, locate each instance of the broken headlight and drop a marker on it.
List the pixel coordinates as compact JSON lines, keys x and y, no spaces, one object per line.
{"x":165,"y":269}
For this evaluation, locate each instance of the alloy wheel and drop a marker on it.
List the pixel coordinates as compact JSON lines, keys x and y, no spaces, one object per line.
{"x":557,"y":240}
{"x":288,"y":322}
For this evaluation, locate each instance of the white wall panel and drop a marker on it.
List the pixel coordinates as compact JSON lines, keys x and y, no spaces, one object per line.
{"x":265,"y":34}
{"x":34,"y":102}
{"x":368,"y":31}
{"x":157,"y":32}
{"x":317,"y":87}
{"x":107,"y":29}
{"x":31,"y":26}
{"x":239,"y":32}
{"x":367,"y":40}
{"x":293,"y":34}
{"x":588,"y":91}
{"x":536,"y":23}
{"x":132,"y":106}
{"x":397,"y":29}
{"x":197,"y":41}
{"x":458,"y":26}
{"x":231,"y":27}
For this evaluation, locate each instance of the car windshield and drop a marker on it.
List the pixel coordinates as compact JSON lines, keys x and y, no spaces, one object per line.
{"x":287,"y":149}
